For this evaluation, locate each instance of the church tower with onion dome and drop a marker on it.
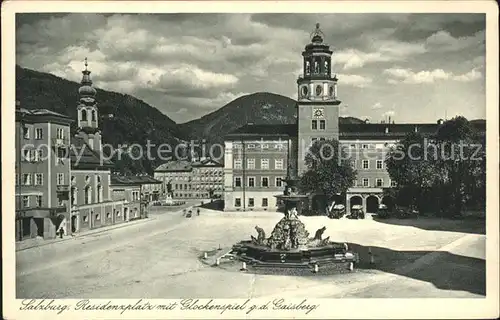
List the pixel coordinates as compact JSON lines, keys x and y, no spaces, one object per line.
{"x":318,"y":104}
{"x":87,"y":113}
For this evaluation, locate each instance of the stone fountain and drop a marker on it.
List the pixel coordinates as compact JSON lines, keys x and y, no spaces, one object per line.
{"x":289,"y":244}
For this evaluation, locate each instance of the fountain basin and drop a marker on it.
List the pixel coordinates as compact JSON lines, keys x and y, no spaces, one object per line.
{"x":263,"y":256}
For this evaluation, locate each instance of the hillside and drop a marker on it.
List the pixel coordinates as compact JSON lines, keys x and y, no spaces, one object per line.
{"x":133,"y":121}
{"x":257,"y":108}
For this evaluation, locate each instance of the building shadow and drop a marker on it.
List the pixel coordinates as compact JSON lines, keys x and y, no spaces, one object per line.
{"x":445,"y":270}
{"x":217,"y":205}
{"x":474,"y":226}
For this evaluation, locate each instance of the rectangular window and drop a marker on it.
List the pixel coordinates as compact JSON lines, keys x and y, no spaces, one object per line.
{"x":265,"y":181}
{"x":39,"y":201}
{"x":251,"y":202}
{"x":26,"y":201}
{"x":379,"y":182}
{"x":278,"y":164}
{"x":251,"y":163}
{"x":39,"y":155}
{"x":322,"y":124}
{"x":237,"y":181}
{"x":237,"y":202}
{"x":314,"y":125}
{"x":352,"y":146}
{"x":365,"y":146}
{"x":38,"y":179}
{"x":26,"y":132}
{"x":366,"y":182}
{"x":60,"y":179}
{"x":366,"y":164}
{"x":265,"y":146}
{"x":278,"y":182}
{"x":251,"y":181}
{"x":251,"y":146}
{"x":60,"y":133}
{"x":264,"y":202}
{"x":379,"y":164}
{"x":26,"y":154}
{"x":39,"y":133}
{"x":264,"y":164}
{"x":27,"y":179}
{"x":237,"y":163}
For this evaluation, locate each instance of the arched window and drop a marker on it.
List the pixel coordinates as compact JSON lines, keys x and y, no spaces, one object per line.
{"x":84,"y":115}
{"x":99,"y":194}
{"x":87,"y":179}
{"x":74,"y":196}
{"x":88,"y":195}
{"x":94,"y":115}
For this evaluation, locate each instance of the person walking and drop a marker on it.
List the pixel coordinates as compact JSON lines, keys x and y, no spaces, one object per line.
{"x":198,"y":211}
{"x":61,"y":232}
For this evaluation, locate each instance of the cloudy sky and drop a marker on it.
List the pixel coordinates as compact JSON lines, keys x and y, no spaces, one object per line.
{"x":414,"y":67}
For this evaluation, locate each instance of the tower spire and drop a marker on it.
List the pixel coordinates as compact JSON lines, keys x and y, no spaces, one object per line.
{"x":86,"y":64}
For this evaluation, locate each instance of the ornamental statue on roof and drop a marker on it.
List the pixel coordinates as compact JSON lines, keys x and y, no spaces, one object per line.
{"x":317,"y":35}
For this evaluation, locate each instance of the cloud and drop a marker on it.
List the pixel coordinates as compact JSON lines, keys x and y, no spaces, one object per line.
{"x":442,"y":40}
{"x":199,"y":62}
{"x":377,"y":105}
{"x":354,"y":80}
{"x":410,"y":77}
{"x":390,"y":113}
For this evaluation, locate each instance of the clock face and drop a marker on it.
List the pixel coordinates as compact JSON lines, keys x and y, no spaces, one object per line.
{"x":319,"y":113}
{"x":319,"y":90}
{"x":304,"y":91}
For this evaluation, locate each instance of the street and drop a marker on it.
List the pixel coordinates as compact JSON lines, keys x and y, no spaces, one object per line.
{"x":159,"y":258}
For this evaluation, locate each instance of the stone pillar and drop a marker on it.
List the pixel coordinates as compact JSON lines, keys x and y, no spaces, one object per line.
{"x":348,"y":205}
{"x":363,"y":197}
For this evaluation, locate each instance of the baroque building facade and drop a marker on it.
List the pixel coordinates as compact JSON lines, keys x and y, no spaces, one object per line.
{"x":251,"y":166}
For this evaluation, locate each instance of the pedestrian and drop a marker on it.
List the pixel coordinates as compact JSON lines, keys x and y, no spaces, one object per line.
{"x":184,"y":212}
{"x":61,"y":232}
{"x":198,"y":211}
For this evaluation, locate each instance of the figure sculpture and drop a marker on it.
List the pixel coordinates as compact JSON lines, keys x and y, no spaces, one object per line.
{"x":261,"y":236}
{"x":319,"y":233}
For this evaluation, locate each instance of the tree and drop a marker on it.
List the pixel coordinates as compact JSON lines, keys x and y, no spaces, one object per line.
{"x":411,"y":164}
{"x":329,"y":169}
{"x":462,"y":163}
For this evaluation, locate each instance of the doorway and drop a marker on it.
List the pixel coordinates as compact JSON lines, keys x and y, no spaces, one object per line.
{"x":74,"y":223}
{"x":371,"y":204}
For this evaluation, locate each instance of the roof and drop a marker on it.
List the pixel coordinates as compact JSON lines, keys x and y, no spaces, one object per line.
{"x":392,"y":130}
{"x":175,"y":165}
{"x":207,"y":163}
{"x":41,"y":115}
{"x":252,"y":130}
{"x":83,"y":157}
{"x":132,"y":180}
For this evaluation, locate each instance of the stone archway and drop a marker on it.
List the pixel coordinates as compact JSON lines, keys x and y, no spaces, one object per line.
{"x":355,"y":200}
{"x":389,"y":202}
{"x":372,"y":203}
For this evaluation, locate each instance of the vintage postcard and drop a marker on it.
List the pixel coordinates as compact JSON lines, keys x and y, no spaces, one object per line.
{"x":258,"y":159}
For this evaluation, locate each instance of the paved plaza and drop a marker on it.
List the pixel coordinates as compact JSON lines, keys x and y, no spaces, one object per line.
{"x":160,"y":258}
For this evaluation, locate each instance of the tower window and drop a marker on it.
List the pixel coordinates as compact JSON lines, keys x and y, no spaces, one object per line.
{"x":84,"y":115}
{"x":319,"y":90}
{"x":94,"y":115}
{"x":314,"y":125}
{"x":322,"y":124}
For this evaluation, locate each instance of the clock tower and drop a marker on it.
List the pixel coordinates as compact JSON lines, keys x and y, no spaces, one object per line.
{"x":318,"y":106}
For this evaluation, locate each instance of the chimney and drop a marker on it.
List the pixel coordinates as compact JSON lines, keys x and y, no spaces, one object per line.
{"x":389,"y":119}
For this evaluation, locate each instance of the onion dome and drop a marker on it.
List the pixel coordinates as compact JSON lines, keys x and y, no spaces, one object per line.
{"x":86,"y":90}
